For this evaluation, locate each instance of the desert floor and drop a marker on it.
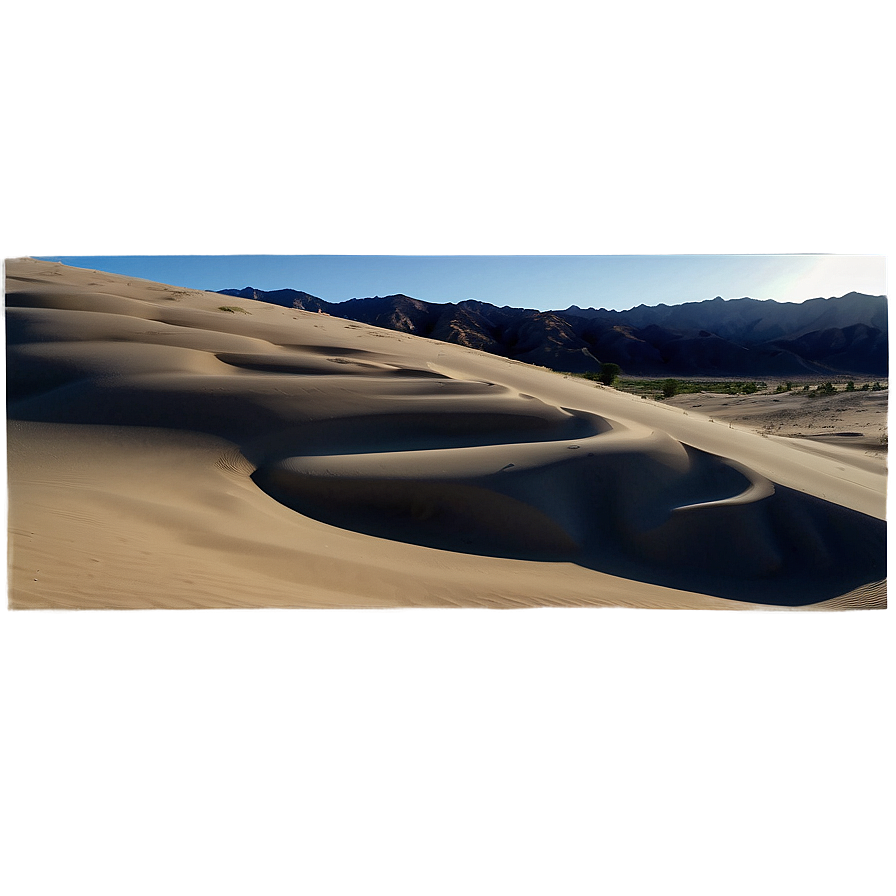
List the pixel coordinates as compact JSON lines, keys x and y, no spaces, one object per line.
{"x":853,"y":420}
{"x":177,"y":448}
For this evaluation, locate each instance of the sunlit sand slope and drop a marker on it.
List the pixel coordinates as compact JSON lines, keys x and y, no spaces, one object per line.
{"x":168,"y":450}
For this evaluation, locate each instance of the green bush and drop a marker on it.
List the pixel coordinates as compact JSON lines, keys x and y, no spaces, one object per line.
{"x":670,"y":388}
{"x":850,"y":386}
{"x":608,"y":373}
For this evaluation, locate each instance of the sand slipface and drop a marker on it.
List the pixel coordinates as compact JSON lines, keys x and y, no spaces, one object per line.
{"x":167,"y":449}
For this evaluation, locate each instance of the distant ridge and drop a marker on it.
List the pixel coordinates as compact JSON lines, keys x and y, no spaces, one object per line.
{"x":716,"y":337}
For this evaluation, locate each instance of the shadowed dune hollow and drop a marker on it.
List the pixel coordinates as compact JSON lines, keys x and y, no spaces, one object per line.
{"x":392,"y":441}
{"x":647,"y":509}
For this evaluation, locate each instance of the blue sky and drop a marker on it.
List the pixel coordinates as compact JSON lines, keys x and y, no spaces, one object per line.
{"x":526,"y":281}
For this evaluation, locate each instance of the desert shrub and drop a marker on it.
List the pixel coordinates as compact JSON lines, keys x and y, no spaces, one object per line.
{"x":865,"y":387}
{"x":850,"y":386}
{"x":877,"y":387}
{"x":669,"y":387}
{"x":608,"y":373}
{"x":233,"y":309}
{"x":750,"y":388}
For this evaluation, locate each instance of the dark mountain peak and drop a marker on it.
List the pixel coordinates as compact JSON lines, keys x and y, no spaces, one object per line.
{"x":720,"y":337}
{"x":397,"y":299}
{"x":287,"y":298}
{"x":247,"y":292}
{"x":476,"y":305}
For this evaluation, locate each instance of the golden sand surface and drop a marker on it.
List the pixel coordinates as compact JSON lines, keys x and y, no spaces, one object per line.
{"x":177,"y":448}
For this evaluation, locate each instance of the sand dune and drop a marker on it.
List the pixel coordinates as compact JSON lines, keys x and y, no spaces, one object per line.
{"x":166,"y":450}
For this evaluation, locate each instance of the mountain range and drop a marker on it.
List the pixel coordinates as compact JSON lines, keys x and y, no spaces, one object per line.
{"x":717,"y":337}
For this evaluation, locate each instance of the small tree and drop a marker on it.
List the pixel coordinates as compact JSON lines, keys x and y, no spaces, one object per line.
{"x":608,"y":373}
{"x":850,"y":386}
{"x":670,"y":388}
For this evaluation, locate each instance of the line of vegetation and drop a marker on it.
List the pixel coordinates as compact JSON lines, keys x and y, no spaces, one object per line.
{"x":233,"y":309}
{"x":666,"y":388}
{"x":830,"y":389}
{"x":608,"y":375}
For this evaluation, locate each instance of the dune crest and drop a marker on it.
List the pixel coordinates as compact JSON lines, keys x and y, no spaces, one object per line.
{"x":283,"y":458}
